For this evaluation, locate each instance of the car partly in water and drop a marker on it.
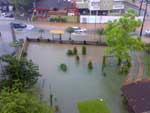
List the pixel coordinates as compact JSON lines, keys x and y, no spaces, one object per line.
{"x":147,"y":32}
{"x":21,"y":26}
{"x":18,"y":25}
{"x":79,"y":30}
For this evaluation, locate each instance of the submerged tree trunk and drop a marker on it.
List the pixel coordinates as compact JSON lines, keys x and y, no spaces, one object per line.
{"x":103,"y":62}
{"x":128,"y":63}
{"x":119,"y":61}
{"x":145,"y":12}
{"x":70,"y":37}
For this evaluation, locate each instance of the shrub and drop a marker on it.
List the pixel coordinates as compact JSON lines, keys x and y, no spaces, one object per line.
{"x":21,"y":102}
{"x":90,"y":65}
{"x":70,"y":53}
{"x":147,"y":48}
{"x":57,"y":19}
{"x":100,"y":31}
{"x":22,"y":70}
{"x":75,"y":51}
{"x":63,"y":67}
{"x":77,"y":58}
{"x":62,"y":19}
{"x":34,"y":18}
{"x":83,"y":50}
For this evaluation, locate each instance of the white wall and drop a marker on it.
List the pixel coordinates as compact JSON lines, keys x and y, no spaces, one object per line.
{"x":100,"y":19}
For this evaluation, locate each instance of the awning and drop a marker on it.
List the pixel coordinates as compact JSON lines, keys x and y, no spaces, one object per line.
{"x":57,"y":32}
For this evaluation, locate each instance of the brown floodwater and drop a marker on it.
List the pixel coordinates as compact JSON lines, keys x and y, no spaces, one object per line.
{"x":78,"y":83}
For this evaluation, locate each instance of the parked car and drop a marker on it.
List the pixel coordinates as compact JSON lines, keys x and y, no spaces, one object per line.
{"x":18,"y":25}
{"x":147,"y":32}
{"x":79,"y":30}
{"x":9,"y":15}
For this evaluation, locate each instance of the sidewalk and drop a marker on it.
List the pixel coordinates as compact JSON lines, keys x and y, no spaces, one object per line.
{"x":5,"y":18}
{"x":63,"y":26}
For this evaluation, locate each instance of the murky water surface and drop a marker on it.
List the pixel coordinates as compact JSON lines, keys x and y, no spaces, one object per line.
{"x":78,"y":83}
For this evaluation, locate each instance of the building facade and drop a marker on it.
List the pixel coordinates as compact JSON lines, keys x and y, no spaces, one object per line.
{"x":102,"y":7}
{"x":46,"y":8}
{"x":6,"y":6}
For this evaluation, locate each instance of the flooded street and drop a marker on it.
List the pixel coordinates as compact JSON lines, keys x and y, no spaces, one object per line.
{"x":78,"y":83}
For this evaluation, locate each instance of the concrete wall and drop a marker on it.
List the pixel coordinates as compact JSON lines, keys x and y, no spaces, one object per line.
{"x":100,"y":19}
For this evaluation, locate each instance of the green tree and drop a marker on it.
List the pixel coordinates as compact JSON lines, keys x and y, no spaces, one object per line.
{"x":26,"y":4}
{"x":118,"y":37}
{"x":17,"y":102}
{"x":22,"y":70}
{"x":100,"y":33}
{"x":70,"y":30}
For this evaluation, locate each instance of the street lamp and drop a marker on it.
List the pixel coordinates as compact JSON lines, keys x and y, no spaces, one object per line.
{"x":140,"y":7}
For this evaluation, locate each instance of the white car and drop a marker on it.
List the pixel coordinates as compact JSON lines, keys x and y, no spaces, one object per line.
{"x":29,"y":27}
{"x":79,"y":30}
{"x":147,"y":32}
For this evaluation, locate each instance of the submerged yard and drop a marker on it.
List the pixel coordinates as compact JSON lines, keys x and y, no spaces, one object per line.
{"x":78,"y":83}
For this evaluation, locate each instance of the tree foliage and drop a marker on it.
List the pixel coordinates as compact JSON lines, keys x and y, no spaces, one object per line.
{"x":26,"y":4}
{"x":41,"y":31}
{"x":22,"y":70}
{"x":100,"y":32}
{"x":17,"y":102}
{"x":118,"y":37}
{"x":70,"y":30}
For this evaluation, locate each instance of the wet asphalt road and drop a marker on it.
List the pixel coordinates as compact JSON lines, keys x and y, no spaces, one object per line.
{"x":6,"y":38}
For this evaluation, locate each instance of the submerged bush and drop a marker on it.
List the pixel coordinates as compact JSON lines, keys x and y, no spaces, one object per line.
{"x":75,"y":51}
{"x":58,"y":19}
{"x":63,"y":67}
{"x":70,"y":53}
{"x":77,"y":58}
{"x":90,"y":65}
{"x":83,"y":50}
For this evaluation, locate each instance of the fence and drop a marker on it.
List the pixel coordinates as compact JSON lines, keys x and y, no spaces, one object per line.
{"x":94,"y":43}
{"x":100,"y":19}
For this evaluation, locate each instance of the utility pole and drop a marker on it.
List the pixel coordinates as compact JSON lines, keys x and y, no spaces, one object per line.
{"x":145,"y":12}
{"x":140,"y":7}
{"x":96,"y":13}
{"x":51,"y":96}
{"x":13,"y":33}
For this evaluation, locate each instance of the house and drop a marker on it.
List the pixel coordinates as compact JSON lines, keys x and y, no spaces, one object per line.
{"x":5,"y":6}
{"x":105,"y":7}
{"x":137,"y":95}
{"x":45,"y":8}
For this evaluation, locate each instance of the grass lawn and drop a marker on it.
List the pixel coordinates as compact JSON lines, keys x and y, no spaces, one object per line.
{"x":93,"y":106}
